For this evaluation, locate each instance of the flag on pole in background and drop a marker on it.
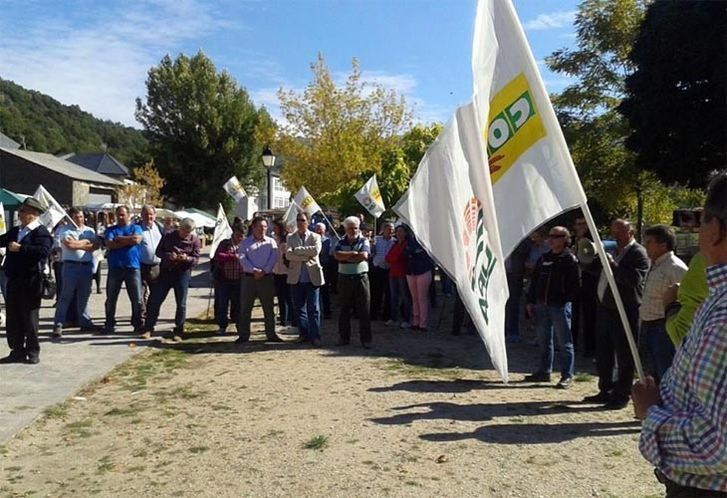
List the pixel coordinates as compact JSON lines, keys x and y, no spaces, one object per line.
{"x":54,"y":212}
{"x":450,"y":209}
{"x":222,"y":230}
{"x":370,"y":197}
{"x":234,"y":189}
{"x":306,"y":202}
{"x":533,"y":177}
{"x":291,"y":214}
{"x":3,"y":224}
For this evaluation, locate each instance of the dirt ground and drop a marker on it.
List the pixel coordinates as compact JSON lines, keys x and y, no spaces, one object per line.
{"x":421,"y":414}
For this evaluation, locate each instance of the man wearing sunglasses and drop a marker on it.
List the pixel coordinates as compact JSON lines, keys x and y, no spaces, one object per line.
{"x":553,"y":288}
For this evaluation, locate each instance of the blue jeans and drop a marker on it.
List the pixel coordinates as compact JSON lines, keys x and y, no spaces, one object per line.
{"x":132,"y":278}
{"x":400,"y":299}
{"x":661,"y":349}
{"x":76,"y":281}
{"x":550,"y":319}
{"x":306,"y":302}
{"x":167,"y":281}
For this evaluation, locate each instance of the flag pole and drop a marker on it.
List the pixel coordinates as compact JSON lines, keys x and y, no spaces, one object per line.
{"x":330,"y":225}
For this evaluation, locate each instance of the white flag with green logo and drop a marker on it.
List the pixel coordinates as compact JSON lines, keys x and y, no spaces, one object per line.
{"x":370,"y":197}
{"x":306,"y":202}
{"x":532,"y":173}
{"x":54,"y":212}
{"x":450,"y":209}
{"x":223,"y":230}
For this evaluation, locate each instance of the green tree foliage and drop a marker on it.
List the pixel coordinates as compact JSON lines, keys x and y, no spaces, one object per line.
{"x":46,"y":125}
{"x":201,"y":129}
{"x":677,"y":103}
{"x":334,"y":136}
{"x":589,"y":116}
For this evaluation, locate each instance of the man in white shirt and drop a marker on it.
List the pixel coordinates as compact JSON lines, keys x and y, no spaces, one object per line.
{"x":666,"y":270}
{"x":77,"y":243}
{"x":151,"y":235}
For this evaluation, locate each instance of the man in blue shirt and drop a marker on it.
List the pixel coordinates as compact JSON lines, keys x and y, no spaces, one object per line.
{"x":77,"y":243}
{"x":122,"y":240}
{"x":258,"y":254}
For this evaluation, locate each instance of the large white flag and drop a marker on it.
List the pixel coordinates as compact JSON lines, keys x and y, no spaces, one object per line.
{"x":291,"y":214}
{"x":53,"y":211}
{"x":234,"y":189}
{"x":449,"y":207}
{"x":370,"y":197}
{"x":306,"y":202}
{"x":222,"y":230}
{"x":532,"y":173}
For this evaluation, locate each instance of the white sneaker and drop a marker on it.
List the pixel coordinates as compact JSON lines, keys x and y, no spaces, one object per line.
{"x":404,"y":325}
{"x":389,"y":323}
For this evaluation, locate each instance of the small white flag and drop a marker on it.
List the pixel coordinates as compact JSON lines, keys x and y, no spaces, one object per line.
{"x":370,"y":197}
{"x":54,"y":212}
{"x":306,"y":202}
{"x":234,"y":189}
{"x":291,"y":214}
{"x":3,"y":225}
{"x":223,"y":230}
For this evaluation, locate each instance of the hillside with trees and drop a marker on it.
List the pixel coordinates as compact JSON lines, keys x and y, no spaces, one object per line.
{"x":46,"y":125}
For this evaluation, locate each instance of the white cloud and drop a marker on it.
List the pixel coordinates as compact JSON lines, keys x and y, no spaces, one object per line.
{"x":101,"y":65}
{"x":551,"y":21}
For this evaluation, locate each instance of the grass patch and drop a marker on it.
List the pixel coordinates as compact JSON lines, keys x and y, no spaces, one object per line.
{"x":616,"y":453}
{"x":80,"y":428}
{"x":123,"y":412}
{"x":198,"y":449}
{"x":104,"y":465}
{"x":437,"y":368}
{"x":583,"y":377}
{"x":13,"y":469}
{"x":56,"y":411}
{"x":316,"y":443}
{"x":135,"y":374}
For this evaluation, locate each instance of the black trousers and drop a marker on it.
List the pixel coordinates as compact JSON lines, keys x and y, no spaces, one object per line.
{"x":611,"y":341}
{"x":23,"y":305}
{"x":354,"y":292}
{"x":675,"y":490}
{"x":380,"y":291}
{"x":584,"y":315}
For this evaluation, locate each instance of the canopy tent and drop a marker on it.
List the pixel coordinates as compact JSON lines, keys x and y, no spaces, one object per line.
{"x":201,"y":218}
{"x":11,"y":199}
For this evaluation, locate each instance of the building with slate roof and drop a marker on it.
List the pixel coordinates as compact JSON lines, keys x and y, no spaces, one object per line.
{"x":72,"y":185}
{"x":7,"y":142}
{"x":103,"y":163}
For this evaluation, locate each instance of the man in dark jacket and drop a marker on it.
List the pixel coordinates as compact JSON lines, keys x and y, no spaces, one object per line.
{"x":28,"y":247}
{"x":629,"y":266}
{"x":553,"y":287}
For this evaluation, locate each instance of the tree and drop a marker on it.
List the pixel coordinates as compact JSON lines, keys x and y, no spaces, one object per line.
{"x":593,"y":127}
{"x":201,"y":129}
{"x":676,"y":103}
{"x":335,"y":135}
{"x":146,"y":188}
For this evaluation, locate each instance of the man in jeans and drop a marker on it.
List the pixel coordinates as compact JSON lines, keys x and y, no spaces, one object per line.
{"x":77,"y":243}
{"x":379,"y":273}
{"x":553,"y":287}
{"x":151,"y":235}
{"x":352,"y":253}
{"x":179,"y":253}
{"x":666,"y":270}
{"x":227,"y":279}
{"x":122,"y":240}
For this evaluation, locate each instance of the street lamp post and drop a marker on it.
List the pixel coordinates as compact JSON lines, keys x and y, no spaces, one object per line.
{"x":269,"y":162}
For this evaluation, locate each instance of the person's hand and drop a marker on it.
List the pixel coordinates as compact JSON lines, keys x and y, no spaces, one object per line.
{"x":644,"y":395}
{"x":13,"y":247}
{"x":258,"y":274}
{"x":529,"y":311}
{"x":670,"y":295}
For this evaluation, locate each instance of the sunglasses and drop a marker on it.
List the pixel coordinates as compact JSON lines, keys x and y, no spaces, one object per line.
{"x":300,"y":220}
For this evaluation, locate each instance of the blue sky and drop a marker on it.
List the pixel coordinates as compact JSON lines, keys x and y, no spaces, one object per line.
{"x":96,"y":54}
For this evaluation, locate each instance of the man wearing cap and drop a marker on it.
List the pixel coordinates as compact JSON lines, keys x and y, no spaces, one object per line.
{"x":28,"y":247}
{"x":258,"y":254}
{"x":77,"y":242}
{"x":122,"y":240}
{"x":352,"y":253}
{"x":179,"y":252}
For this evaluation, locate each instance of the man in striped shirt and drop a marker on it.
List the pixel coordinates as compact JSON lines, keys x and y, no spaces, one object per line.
{"x":684,"y":432}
